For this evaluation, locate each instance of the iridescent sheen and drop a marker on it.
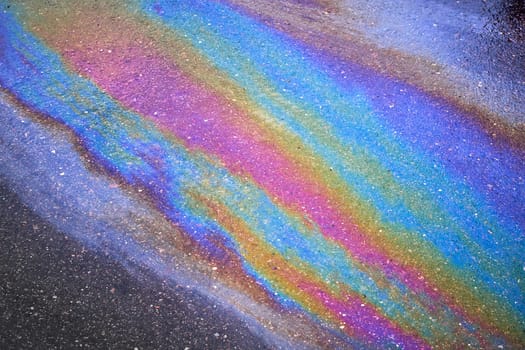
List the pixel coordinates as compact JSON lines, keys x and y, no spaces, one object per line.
{"x":397,"y":220}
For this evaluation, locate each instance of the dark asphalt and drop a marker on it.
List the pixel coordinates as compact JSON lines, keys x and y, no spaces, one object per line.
{"x":54,"y":294}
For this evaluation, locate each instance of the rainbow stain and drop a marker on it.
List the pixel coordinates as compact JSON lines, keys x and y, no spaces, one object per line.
{"x":387,"y":215}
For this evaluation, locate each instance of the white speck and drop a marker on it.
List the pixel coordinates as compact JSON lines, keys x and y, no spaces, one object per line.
{"x":216,"y":335}
{"x":62,"y":174}
{"x":214,"y":268}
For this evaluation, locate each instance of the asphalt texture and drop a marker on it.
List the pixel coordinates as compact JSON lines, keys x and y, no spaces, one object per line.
{"x":55,"y":294}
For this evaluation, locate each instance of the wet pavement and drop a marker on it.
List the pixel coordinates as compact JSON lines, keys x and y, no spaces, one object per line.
{"x":252,"y":174}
